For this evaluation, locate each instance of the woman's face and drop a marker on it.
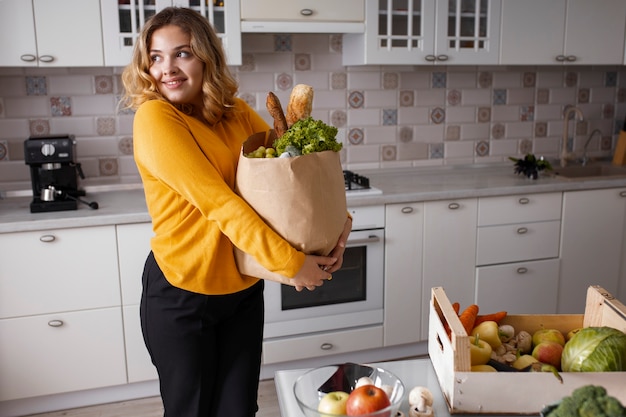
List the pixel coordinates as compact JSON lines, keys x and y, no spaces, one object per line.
{"x":178,"y":73}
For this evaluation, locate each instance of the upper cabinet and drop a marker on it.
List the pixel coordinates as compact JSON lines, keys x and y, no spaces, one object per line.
{"x":580,"y":32}
{"x":303,"y":16}
{"x":122,"y":21}
{"x":414,"y":32}
{"x":44,"y":33}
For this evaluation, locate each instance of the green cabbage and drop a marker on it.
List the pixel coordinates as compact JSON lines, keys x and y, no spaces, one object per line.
{"x":595,"y":349}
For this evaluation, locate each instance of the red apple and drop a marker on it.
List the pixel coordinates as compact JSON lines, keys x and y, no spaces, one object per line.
{"x":549,"y":353}
{"x":333,"y":403}
{"x":365,"y":400}
{"x":548,"y":335}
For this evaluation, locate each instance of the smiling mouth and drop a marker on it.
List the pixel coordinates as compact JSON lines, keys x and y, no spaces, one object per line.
{"x":173,"y":83}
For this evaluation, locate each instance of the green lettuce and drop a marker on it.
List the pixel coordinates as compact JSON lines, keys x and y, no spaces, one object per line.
{"x":595,"y":349}
{"x":308,"y":136}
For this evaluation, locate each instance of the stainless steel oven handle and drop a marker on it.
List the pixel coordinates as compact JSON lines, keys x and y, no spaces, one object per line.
{"x":370,"y":239}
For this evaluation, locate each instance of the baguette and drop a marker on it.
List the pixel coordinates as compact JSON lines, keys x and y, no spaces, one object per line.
{"x":276,"y":111}
{"x":300,"y":103}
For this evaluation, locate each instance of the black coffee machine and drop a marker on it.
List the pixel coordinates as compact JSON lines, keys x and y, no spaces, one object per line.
{"x":54,"y":174}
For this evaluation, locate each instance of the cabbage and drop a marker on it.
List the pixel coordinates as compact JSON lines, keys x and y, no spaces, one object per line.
{"x":595,"y":349}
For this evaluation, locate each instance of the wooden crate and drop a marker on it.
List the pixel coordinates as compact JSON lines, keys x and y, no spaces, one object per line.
{"x":510,"y":392}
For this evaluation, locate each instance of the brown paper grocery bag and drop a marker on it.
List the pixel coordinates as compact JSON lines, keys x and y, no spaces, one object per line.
{"x":302,"y":198}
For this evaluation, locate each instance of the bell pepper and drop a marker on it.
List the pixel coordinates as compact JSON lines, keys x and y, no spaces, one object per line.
{"x":489,"y":332}
{"x":480,"y":351}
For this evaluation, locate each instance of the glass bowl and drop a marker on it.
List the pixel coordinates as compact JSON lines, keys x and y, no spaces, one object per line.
{"x":312,"y":386}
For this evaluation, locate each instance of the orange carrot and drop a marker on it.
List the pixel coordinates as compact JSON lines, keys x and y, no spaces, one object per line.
{"x":468,"y":317}
{"x":456,"y":307}
{"x":497,"y":317}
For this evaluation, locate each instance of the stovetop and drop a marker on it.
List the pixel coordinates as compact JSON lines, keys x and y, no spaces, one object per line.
{"x":358,"y":185}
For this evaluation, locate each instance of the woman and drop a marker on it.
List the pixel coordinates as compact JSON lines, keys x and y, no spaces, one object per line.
{"x":201,"y":319}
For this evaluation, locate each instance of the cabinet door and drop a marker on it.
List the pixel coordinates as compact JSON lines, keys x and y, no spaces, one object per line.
{"x":595,"y":32}
{"x":468,"y":32}
{"x":139,"y":364}
{"x":519,"y":288}
{"x":533,"y":31}
{"x":404,"y":234}
{"x":303,"y":10}
{"x":592,"y":245}
{"x":58,"y":270}
{"x":449,"y":252}
{"x":64,"y":352}
{"x":16,"y":24}
{"x":133,"y":246}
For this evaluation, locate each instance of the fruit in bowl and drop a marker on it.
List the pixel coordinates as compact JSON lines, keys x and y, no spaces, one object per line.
{"x":332,"y":390}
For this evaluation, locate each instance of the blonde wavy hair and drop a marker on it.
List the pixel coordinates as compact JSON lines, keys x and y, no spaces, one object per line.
{"x":218,"y":85}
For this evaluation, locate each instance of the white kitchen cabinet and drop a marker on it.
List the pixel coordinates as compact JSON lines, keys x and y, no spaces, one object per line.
{"x":415,"y":32}
{"x":579,"y":32}
{"x":50,"y":33}
{"x":308,"y":16}
{"x":61,"y":352}
{"x":449,"y":250}
{"x":404,"y":234}
{"x":593,"y":245}
{"x":122,"y":23}
{"x":133,"y":246}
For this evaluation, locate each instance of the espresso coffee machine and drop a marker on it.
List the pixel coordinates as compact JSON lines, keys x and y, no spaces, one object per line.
{"x":54,"y":174}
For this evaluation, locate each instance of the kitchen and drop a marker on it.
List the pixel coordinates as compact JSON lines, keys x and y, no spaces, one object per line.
{"x":390,"y":117}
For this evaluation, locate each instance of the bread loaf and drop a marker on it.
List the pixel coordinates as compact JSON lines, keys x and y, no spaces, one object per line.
{"x":300,"y":103}
{"x":272,"y":103}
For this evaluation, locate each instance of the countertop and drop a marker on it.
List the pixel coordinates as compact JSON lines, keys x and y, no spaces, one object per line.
{"x":125,"y":203}
{"x":413,"y":372}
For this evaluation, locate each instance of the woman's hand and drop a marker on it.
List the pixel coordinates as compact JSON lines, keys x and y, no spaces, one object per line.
{"x":338,"y":251}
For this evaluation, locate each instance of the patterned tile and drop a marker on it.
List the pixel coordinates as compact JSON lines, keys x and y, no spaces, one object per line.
{"x":249,"y":98}
{"x":583,"y":95}
{"x":356,"y":136}
{"x":571,"y":79}
{"x":610,"y":79}
{"x":60,"y":106}
{"x":453,"y":132}
{"x":125,"y":145}
{"x":497,"y":131}
{"x":356,"y":99}
{"x":543,"y":96}
{"x":608,"y":111}
{"x":338,"y":118}
{"x":541,"y":129}
{"x":438,"y":115}
{"x":485,"y":79}
{"x":105,"y":126}
{"x":282,"y":43}
{"x":4,"y":150}
{"x":482,"y":148}
{"x":529,"y":79}
{"x":389,"y":153}
{"x":499,"y":96}
{"x":303,"y":62}
{"x":336,"y":43}
{"x":36,"y":86}
{"x":526,"y":113}
{"x":439,"y":80}
{"x":284,"y":81}
{"x":338,"y":80}
{"x":484,"y":114}
{"x":248,"y":63}
{"x":406,"y":134}
{"x":104,"y":84}
{"x":525,"y":146}
{"x":390,"y":80}
{"x":108,"y":166}
{"x":454,"y":97}
{"x":39,"y":127}
{"x":407,"y":98}
{"x":621,"y":95}
{"x":436,"y":151}
{"x":390,"y":117}
{"x":606,"y":143}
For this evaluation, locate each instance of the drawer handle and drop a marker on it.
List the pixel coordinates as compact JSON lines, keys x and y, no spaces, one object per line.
{"x":524,"y":200}
{"x":55,"y":323}
{"x":454,"y":206}
{"x":47,"y":238}
{"x":407,"y":210}
{"x":622,"y":194}
{"x":442,"y":57}
{"x":306,"y":12}
{"x":560,"y":58}
{"x":522,"y":270}
{"x":326,"y":346}
{"x":46,"y":58}
{"x":522,"y":230}
{"x":28,"y":58}
{"x":430,"y":58}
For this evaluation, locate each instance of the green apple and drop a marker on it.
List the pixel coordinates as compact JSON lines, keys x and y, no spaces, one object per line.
{"x":548,"y":335}
{"x":333,"y":403}
{"x":571,"y":333}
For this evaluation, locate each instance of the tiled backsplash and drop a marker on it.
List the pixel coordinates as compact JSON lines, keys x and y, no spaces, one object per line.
{"x":388,"y":116}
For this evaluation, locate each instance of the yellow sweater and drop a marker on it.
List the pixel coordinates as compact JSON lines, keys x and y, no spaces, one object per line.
{"x":188,"y":172}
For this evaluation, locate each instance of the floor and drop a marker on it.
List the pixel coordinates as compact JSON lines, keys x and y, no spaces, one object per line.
{"x":151,"y":407}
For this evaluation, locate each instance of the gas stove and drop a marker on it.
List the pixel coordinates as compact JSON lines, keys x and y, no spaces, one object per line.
{"x":358,"y":185}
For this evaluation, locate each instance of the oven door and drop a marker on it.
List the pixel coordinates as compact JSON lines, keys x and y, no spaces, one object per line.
{"x":354,"y":297}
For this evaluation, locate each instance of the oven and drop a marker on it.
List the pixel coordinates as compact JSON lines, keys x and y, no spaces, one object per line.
{"x":353,"y":298}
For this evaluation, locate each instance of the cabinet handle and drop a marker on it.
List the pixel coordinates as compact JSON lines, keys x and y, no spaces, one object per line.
{"x":523,"y":200}
{"x":522,"y":270}
{"x":46,"y":58}
{"x":430,"y":58}
{"x":326,"y":346}
{"x":47,"y":238}
{"x":560,"y":58}
{"x":570,"y":58}
{"x":306,"y":12}
{"x":522,"y":230}
{"x":622,"y":194}
{"x":28,"y":58}
{"x":409,"y":210}
{"x":442,"y":57}
{"x":454,"y":206}
{"x":365,"y":241}
{"x":55,"y":323}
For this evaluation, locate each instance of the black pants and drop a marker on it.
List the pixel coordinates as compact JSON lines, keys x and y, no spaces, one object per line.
{"x":207,"y":349}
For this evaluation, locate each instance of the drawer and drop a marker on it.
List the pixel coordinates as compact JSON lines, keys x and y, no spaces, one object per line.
{"x":332,"y":343}
{"x":518,"y":288}
{"x":517,"y":242}
{"x":519,"y":209}
{"x":304,"y":10}
{"x":58,"y":270}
